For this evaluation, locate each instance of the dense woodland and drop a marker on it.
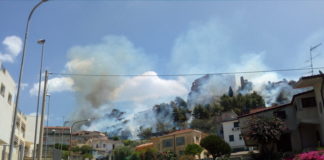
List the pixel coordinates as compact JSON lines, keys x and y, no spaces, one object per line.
{"x":203,"y":117}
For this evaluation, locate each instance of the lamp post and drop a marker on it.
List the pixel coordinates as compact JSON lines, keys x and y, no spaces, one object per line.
{"x":74,"y":123}
{"x":54,"y":133}
{"x":48,"y":108}
{"x":41,"y":128}
{"x":19,"y":79}
{"x":41,"y":42}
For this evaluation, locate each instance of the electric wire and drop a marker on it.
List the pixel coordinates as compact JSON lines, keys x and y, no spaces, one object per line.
{"x":182,"y":74}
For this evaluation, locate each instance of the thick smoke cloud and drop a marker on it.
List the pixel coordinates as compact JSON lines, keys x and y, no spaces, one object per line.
{"x":99,"y":95}
{"x":207,"y":47}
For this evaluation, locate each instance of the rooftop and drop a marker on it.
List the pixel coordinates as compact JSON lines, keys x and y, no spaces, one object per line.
{"x":259,"y":110}
{"x":143,"y":146}
{"x":57,"y":127}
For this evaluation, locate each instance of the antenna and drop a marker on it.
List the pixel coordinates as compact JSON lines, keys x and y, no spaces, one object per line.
{"x":311,"y":56}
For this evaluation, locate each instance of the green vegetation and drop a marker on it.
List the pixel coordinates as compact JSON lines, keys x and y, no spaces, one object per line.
{"x":145,"y":133}
{"x":241,"y":103}
{"x":215,"y":146}
{"x":193,"y":150}
{"x":122,"y":153}
{"x":266,"y":132}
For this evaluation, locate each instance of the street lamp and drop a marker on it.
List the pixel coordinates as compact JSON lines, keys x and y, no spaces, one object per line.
{"x":48,"y":108}
{"x":54,"y":133}
{"x":74,"y":123}
{"x":41,"y":42}
{"x":12,"y":135}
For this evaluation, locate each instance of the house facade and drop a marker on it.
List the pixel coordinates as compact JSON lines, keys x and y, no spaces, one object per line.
{"x":301,"y":116}
{"x":232,"y":135}
{"x":178,"y":140}
{"x":7,"y":92}
{"x":81,"y":137}
{"x":56,"y":135}
{"x":103,"y":146}
{"x":317,"y":83}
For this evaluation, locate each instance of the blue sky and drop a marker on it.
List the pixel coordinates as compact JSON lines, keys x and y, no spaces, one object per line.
{"x":162,"y":36}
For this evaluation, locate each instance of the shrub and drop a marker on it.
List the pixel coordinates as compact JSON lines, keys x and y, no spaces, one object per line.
{"x":313,"y":155}
{"x":187,"y":157}
{"x":215,"y":146}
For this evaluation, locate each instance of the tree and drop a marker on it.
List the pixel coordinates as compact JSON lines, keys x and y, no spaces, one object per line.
{"x":193,"y":149}
{"x":230,"y":92}
{"x":215,"y":146}
{"x":122,"y":153}
{"x":199,"y":112}
{"x":145,"y":133}
{"x":241,"y":103}
{"x":266,"y":132}
{"x":86,"y":149}
{"x":148,"y":154}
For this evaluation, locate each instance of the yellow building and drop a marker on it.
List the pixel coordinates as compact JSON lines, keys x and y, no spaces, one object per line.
{"x":178,"y":140}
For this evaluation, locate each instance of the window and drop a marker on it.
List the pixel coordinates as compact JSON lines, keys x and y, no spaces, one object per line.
{"x":231,"y":138}
{"x":97,"y":146}
{"x":241,"y":137}
{"x":16,"y":140}
{"x":2,"y":90}
{"x":280,"y":114}
{"x":236,"y":124}
{"x":167,"y":143}
{"x":9,"y":98}
{"x":197,"y":139}
{"x":104,"y":145}
{"x":308,"y":102}
{"x":180,"y":141}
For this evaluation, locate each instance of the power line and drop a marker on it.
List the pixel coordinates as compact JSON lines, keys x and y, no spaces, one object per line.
{"x":183,"y":74}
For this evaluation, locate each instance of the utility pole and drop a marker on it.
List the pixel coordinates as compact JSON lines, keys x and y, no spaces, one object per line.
{"x":311,"y":56}
{"x":41,"y":128}
{"x":12,"y":134}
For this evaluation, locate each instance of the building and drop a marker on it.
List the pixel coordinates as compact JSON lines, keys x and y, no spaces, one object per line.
{"x":317,"y":115}
{"x":145,"y":146}
{"x":178,"y":140}
{"x":7,"y":92}
{"x":56,"y":135}
{"x":81,"y":137}
{"x":103,"y":146}
{"x":29,"y":135}
{"x":303,"y":117}
{"x":232,"y":134}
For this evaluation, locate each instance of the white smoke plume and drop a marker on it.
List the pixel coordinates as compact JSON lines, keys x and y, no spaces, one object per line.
{"x":207,"y":47}
{"x":97,"y":96}
{"x":13,"y":46}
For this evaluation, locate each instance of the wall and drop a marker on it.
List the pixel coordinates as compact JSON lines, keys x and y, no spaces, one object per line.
{"x":319,"y":91}
{"x":6,"y":109}
{"x":6,"y":113}
{"x":236,"y":132}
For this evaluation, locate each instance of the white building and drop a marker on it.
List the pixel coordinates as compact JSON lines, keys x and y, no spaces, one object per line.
{"x":232,"y":134}
{"x":103,"y":146}
{"x":22,"y":148}
{"x":7,"y":91}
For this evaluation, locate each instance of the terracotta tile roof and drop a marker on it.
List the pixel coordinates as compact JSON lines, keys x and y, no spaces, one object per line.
{"x":259,"y":110}
{"x":145,"y":145}
{"x":182,"y":131}
{"x":58,"y":127}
